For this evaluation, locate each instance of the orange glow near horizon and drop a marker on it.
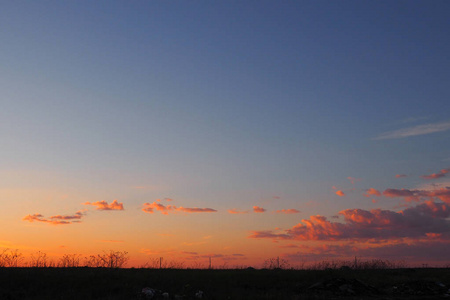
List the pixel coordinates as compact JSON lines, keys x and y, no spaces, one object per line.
{"x":151,"y":230}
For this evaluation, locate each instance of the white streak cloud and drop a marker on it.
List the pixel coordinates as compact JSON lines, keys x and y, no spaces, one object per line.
{"x":413,"y":131}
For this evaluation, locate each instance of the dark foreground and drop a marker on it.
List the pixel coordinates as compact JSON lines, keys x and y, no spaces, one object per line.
{"x":100,"y":283}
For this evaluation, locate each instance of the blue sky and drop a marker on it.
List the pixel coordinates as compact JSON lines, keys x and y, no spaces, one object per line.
{"x":225,"y":103}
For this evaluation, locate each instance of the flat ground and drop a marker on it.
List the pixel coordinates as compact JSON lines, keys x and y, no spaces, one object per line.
{"x":100,"y":283}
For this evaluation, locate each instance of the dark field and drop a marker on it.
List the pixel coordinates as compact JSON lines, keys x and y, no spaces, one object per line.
{"x":103,"y":283}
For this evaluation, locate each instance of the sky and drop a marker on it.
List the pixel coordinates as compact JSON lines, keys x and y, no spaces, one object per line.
{"x":236,"y":130}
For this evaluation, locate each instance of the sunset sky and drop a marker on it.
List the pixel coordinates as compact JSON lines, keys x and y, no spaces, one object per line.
{"x":237,"y":130}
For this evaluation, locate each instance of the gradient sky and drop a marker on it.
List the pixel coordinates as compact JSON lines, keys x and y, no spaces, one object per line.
{"x":240,"y":130}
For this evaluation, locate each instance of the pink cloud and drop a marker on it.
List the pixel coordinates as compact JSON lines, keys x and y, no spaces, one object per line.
{"x":258,"y":209}
{"x":400,"y":176}
{"x":287,"y":211}
{"x":409,"y":195}
{"x":359,"y":224}
{"x":441,"y":174}
{"x":264,"y":234}
{"x":151,"y":207}
{"x":77,"y":216}
{"x":416,"y":195}
{"x":103,"y":205}
{"x":57,"y":219}
{"x":372,"y":192}
{"x":340,"y":193}
{"x":443,"y":194}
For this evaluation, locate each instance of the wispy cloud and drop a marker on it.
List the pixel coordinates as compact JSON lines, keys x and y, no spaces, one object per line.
{"x":57,"y":219}
{"x":166,"y":209}
{"x":413,"y":131}
{"x":103,"y":205}
{"x":401,"y":175}
{"x":440,"y":174}
{"x":287,"y":211}
{"x":442,"y":194}
{"x":195,"y":209}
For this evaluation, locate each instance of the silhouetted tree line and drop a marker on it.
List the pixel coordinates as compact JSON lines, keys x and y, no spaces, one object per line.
{"x":118,"y":259}
{"x":111,"y":259}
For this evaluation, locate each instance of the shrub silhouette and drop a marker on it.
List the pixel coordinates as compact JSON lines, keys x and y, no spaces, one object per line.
{"x":69,"y":261}
{"x":111,"y":259}
{"x":10,"y":258}
{"x":276,"y":263}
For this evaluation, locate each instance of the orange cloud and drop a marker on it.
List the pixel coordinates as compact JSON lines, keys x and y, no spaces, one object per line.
{"x":287,"y":211}
{"x":56,"y":220}
{"x":258,"y":209}
{"x":340,"y":193}
{"x":103,"y":205}
{"x":151,"y":207}
{"x":372,"y":192}
{"x":441,"y":173}
{"x":235,"y":211}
